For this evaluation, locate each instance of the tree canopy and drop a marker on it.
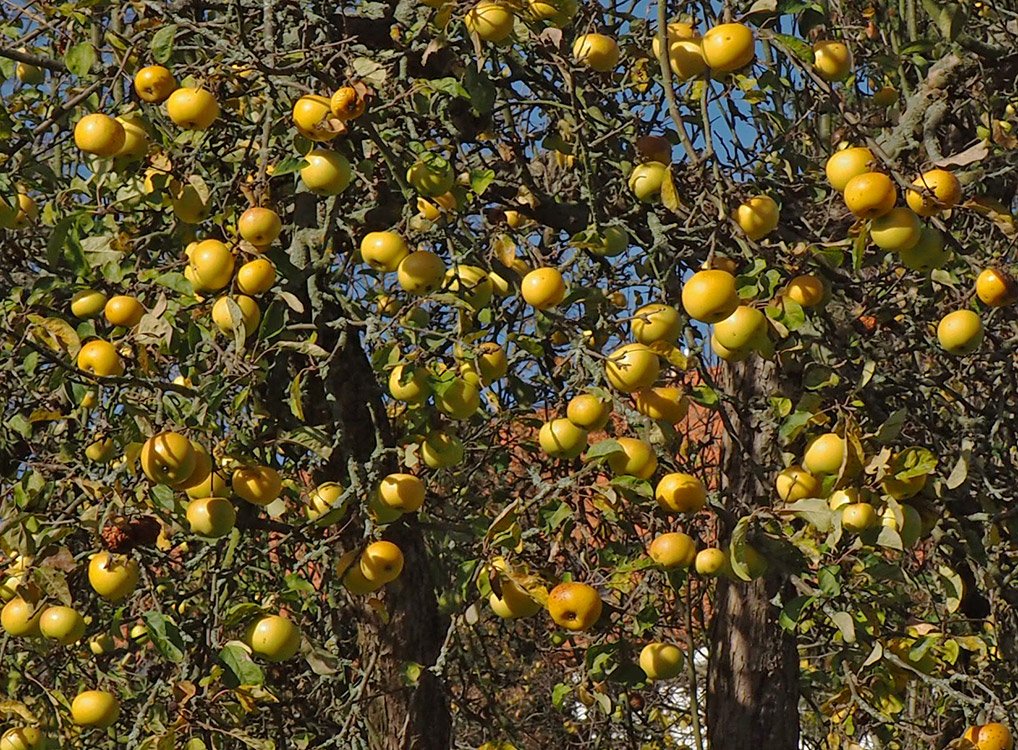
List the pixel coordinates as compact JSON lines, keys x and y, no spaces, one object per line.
{"x":523,"y":374}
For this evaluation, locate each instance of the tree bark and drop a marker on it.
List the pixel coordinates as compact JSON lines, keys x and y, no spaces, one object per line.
{"x":753,"y":672}
{"x":403,"y":714}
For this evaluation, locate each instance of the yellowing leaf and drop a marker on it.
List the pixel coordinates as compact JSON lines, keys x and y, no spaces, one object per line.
{"x":669,"y":195}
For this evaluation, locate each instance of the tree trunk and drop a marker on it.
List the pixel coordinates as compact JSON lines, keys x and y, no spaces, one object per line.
{"x":753,"y":673}
{"x":402,"y":713}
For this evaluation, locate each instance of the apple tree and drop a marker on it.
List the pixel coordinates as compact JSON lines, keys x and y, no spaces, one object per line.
{"x":508,"y":375}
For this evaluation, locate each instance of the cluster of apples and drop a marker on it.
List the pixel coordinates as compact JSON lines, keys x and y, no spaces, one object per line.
{"x":321,"y":119}
{"x":493,"y":21}
{"x":191,"y":108}
{"x":872,"y":196}
{"x":724,"y":48}
{"x":829,"y":460}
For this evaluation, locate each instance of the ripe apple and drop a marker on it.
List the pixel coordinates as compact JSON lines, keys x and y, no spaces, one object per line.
{"x":421,"y":272}
{"x":212,"y":264}
{"x":597,"y":51}
{"x":20,"y":617}
{"x":381,"y":562}
{"x":870,"y":195}
{"x":758,"y":216}
{"x":491,"y":21}
{"x":661,"y":661}
{"x":259,"y":226}
{"x":409,"y":384}
{"x":168,"y":458}
{"x":63,"y":624}
{"x":685,"y":52}
{"x":22,"y":738}
{"x":355,"y":582}
{"x":87,"y":303}
{"x":589,"y":411}
{"x":441,"y":449}
{"x":832,"y":60}
{"x":471,"y":284}
{"x":994,"y":736}
{"x":928,"y":253}
{"x":223,"y":317}
{"x":259,"y":485}
{"x":806,"y":290}
{"x":711,"y":562}
{"x":136,"y":138}
{"x":460,"y":400}
{"x":192,"y":108}
{"x":996,"y":288}
{"x":404,"y":493}
{"x":656,"y":322}
{"x":256,"y":277}
{"x":851,"y":162}
{"x":515,"y":601}
{"x":574,"y":606}
{"x":95,"y":708}
{"x":321,"y":501}
{"x":933,"y":192}
{"x":666,"y":403}
{"x":743,"y":329}
{"x":825,"y":454}
{"x":728,"y":47}
{"x":113,"y":577}
{"x":431,"y":176}
{"x":678,"y":492}
{"x":636,"y":458}
{"x":673,"y":550}
{"x":124,"y":310}
{"x":560,"y":438}
{"x":99,"y":134}
{"x":384,"y":251}
{"x":311,"y":114}
{"x":858,"y":517}
{"x":100,"y":358}
{"x":897,"y":230}
{"x":273,"y":637}
{"x":347,"y":104}
{"x":154,"y":84}
{"x":710,"y":295}
{"x":795,"y":483}
{"x":646,"y":179}
{"x":211,"y":517}
{"x":960,"y":332}
{"x":327,"y":173}
{"x":543,"y":288}
{"x":632,"y":367}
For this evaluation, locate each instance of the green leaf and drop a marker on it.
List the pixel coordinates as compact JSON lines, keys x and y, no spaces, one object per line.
{"x":480,"y":179}
{"x":289,"y":165}
{"x":793,"y":425}
{"x":859,"y":247}
{"x":165,"y":636}
{"x":845,"y":623}
{"x":704,"y":395}
{"x":450,"y":86}
{"x":162,"y":43}
{"x":792,"y":611}
{"x":738,"y":549}
{"x":797,"y":47}
{"x":888,"y":432}
{"x":239,"y":665}
{"x":828,"y":580}
{"x":80,"y":58}
{"x":814,"y":510}
{"x":559,"y":694}
{"x":603,"y":448}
